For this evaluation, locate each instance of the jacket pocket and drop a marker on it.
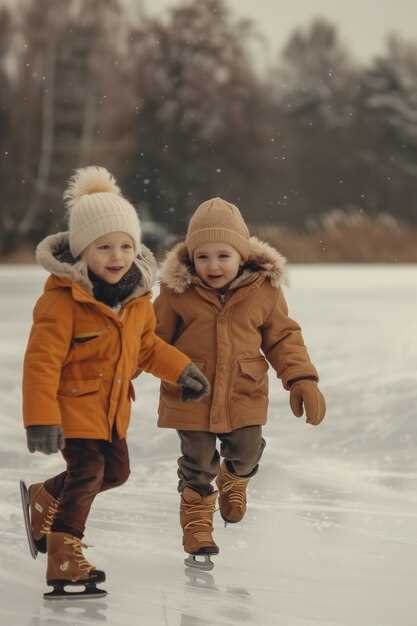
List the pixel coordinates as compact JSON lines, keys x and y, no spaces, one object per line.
{"x":253,"y":368}
{"x":170,"y":394}
{"x":251,"y":381}
{"x":86,"y":346}
{"x":76,"y":388}
{"x":85,"y":338}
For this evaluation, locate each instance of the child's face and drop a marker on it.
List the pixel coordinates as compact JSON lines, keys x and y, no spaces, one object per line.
{"x":110,"y":256}
{"x":217,"y":264}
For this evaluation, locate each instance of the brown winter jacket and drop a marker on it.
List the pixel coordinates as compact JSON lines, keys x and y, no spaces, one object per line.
{"x":82,"y":355}
{"x":230,"y":342}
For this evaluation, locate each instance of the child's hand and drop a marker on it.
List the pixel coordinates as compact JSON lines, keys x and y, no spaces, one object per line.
{"x":307,"y":392}
{"x":194,"y":384}
{"x":46,"y":439}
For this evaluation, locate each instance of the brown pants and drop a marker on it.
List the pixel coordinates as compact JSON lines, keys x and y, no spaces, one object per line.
{"x":93,"y":466}
{"x":199,"y":465}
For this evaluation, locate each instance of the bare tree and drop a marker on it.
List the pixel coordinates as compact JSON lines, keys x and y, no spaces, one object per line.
{"x":63,"y":77}
{"x":7,"y":217}
{"x":198,"y":122}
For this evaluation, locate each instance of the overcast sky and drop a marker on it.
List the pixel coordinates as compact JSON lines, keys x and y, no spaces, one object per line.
{"x":363,"y":24}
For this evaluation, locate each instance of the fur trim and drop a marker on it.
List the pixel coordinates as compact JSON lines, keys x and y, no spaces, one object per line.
{"x":53,"y":254}
{"x":177,"y":270}
{"x":268,"y":261}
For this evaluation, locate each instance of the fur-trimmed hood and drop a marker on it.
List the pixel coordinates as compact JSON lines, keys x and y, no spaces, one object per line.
{"x":53,"y":254}
{"x":178,"y":274}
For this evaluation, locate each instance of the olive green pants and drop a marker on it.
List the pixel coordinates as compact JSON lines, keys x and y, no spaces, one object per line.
{"x":200,"y":461}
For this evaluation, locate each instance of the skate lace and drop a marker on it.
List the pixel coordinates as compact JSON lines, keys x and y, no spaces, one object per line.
{"x":80,"y":559}
{"x":236,"y":490}
{"x":50,"y":516}
{"x":204,"y":510}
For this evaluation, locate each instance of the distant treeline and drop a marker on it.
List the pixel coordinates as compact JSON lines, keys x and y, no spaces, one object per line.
{"x":176,"y":107}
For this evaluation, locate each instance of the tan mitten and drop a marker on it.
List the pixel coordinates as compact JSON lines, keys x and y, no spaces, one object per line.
{"x":306,"y":392}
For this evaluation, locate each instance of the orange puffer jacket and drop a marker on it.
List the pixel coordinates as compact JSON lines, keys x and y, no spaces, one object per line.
{"x":82,"y":355}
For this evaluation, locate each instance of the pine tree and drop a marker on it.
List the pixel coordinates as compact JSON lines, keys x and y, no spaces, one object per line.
{"x":314,"y":90}
{"x":387,"y":115}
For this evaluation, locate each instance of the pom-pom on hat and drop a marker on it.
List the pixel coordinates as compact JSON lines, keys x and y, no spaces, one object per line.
{"x":217,"y":221}
{"x":96,"y":207}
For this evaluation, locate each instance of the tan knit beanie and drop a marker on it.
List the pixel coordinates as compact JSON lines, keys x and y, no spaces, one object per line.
{"x":96,"y":207}
{"x":217,"y":221}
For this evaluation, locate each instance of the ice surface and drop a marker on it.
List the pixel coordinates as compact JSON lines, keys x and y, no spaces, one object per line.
{"x":330,"y":534}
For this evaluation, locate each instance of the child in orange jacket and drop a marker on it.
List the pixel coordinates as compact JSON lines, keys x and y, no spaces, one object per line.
{"x":93,"y":329}
{"x":221,"y":303}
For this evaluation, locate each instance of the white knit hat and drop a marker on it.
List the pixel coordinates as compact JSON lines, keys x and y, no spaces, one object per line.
{"x":96,"y":207}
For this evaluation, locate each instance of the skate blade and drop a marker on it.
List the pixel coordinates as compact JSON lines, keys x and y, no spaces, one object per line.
{"x":192,"y":561}
{"x":24,"y":494}
{"x":89,"y":593}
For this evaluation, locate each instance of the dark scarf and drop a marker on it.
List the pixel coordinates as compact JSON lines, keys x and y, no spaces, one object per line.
{"x":113,"y":295}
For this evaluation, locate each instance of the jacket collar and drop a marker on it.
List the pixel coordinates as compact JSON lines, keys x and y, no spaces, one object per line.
{"x":53,"y":254}
{"x":178,"y":274}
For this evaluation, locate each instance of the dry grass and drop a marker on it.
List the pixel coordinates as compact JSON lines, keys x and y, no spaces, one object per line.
{"x":340,"y":237}
{"x":346,"y":238}
{"x":20,"y":256}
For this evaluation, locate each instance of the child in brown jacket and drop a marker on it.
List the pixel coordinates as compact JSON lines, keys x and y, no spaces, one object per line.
{"x":221,"y":303}
{"x":93,"y":329}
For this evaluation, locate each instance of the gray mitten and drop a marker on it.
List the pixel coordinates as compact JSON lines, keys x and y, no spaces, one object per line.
{"x":46,"y":439}
{"x":194,"y":384}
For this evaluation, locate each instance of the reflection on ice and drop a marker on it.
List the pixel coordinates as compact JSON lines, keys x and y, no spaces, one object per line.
{"x":81,"y":611}
{"x":74,"y":612}
{"x":231,"y":602}
{"x":197,"y":579}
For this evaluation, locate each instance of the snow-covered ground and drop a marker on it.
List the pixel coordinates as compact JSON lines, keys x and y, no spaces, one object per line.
{"x":330,"y":538}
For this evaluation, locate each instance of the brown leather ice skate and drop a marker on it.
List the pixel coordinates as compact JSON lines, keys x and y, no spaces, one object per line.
{"x":43,"y":509}
{"x":232,"y":495}
{"x":67,"y":565}
{"x":196,"y":516}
